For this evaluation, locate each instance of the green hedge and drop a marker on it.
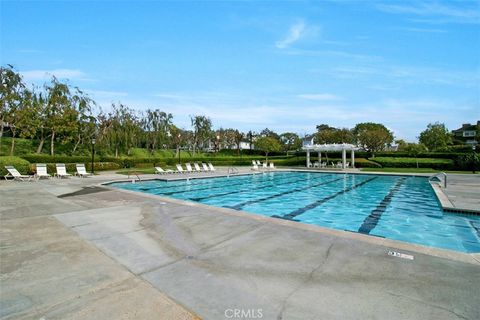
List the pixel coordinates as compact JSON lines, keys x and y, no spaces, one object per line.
{"x":400,"y":162}
{"x":23,"y":166}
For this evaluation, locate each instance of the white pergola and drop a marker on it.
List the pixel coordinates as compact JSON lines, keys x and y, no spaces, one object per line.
{"x":344,"y":147}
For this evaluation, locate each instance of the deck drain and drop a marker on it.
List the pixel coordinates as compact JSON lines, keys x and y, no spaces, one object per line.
{"x":400,"y":255}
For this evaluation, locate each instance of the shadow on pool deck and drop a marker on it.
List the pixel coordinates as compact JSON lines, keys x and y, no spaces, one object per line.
{"x":207,"y":261}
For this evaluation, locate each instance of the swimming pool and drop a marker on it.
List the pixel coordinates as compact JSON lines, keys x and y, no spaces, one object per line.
{"x":395,"y":207}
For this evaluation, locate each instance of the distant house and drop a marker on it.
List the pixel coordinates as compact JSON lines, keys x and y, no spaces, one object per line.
{"x":244,"y":145}
{"x":467,"y":133}
{"x":308,"y":140}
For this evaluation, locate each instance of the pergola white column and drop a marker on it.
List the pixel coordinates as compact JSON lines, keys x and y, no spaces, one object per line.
{"x":344,"y":147}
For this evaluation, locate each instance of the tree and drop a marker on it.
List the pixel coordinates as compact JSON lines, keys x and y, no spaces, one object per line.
{"x":372,"y":137}
{"x":12,"y":91}
{"x":334,"y":135}
{"x":436,"y":136}
{"x":401,"y":144}
{"x":202,"y":128}
{"x":291,"y":141}
{"x":238,"y":138}
{"x":267,"y":145}
{"x":414,"y":149}
{"x":157,"y":126}
{"x":86,"y":121}
{"x":269,"y":133}
{"x":60,"y":114}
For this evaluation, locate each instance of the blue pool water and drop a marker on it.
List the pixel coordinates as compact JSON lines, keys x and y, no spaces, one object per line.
{"x":394,"y":207}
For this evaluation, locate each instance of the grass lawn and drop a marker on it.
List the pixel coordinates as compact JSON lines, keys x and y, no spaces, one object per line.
{"x":412,"y":170}
{"x":136,"y":170}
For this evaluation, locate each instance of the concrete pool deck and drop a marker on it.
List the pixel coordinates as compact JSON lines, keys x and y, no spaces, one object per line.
{"x":72,"y":250}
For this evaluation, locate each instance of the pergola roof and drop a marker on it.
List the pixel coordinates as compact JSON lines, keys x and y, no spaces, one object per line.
{"x":330,"y":147}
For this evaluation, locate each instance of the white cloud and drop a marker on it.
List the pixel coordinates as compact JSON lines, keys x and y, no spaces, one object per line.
{"x":296,"y":32}
{"x":101,"y":94}
{"x":435,"y":10}
{"x":43,"y":75}
{"x":320,"y":97}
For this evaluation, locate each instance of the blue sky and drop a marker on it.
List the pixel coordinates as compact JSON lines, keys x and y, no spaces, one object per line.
{"x":285,"y":65}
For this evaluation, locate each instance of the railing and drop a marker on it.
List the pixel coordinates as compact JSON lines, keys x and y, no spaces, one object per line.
{"x":133,"y":174}
{"x":438,"y":175}
{"x":232,"y":170}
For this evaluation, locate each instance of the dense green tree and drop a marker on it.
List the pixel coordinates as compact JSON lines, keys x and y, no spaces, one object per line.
{"x":436,"y":137}
{"x":267,"y":145}
{"x":86,"y":121}
{"x":334,"y":135}
{"x":12,"y":95}
{"x":157,"y":125}
{"x":372,"y":137}
{"x":60,"y":114}
{"x":202,"y":128}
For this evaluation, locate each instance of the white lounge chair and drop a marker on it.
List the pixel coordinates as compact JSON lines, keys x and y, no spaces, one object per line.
{"x":61,"y":171}
{"x":197,"y":167}
{"x":205,"y":167}
{"x":210,"y":165}
{"x":159,"y":170}
{"x":265,"y":165}
{"x":254,"y":163}
{"x":81,"y":171}
{"x":42,"y":171}
{"x":12,"y":172}
{"x":259,"y":163}
{"x":179,"y":168}
{"x":272,"y":166}
{"x":189,"y":167}
{"x":255,"y":167}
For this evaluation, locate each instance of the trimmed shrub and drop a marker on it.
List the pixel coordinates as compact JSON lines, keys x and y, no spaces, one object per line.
{"x":23,"y":166}
{"x":403,"y":162}
{"x":364,"y":163}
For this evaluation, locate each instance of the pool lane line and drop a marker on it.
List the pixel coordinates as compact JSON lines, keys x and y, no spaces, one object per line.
{"x":242,"y":204}
{"x":473,"y":224}
{"x":203,"y":181}
{"x":223,"y":185}
{"x":272,"y":184}
{"x":371,"y":221}
{"x":313,"y":205}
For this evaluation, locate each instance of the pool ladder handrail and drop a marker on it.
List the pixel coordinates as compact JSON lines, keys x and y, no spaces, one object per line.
{"x":232,"y":170}
{"x":133,"y":174}
{"x":437,"y":175}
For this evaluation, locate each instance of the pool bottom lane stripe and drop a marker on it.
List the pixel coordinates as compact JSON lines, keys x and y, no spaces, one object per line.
{"x":270,"y":185}
{"x":241,"y":205}
{"x":313,"y":205}
{"x":371,"y":221}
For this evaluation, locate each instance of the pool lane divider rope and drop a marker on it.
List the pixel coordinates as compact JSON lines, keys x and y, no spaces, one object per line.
{"x":371,"y":221}
{"x":271,"y":184}
{"x":241,"y":205}
{"x":313,"y":205}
